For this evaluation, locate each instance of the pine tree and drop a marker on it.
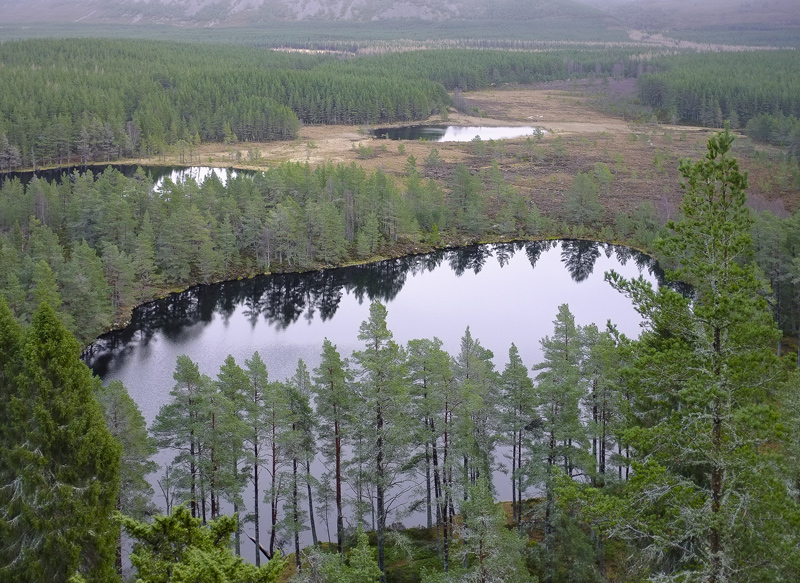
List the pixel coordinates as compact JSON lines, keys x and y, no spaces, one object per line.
{"x":126,"y":424}
{"x":255,"y":436}
{"x":383,"y":390}
{"x":361,"y":566}
{"x":493,"y":552}
{"x":11,"y":339}
{"x":278,"y":423}
{"x":428,"y":367}
{"x":477,"y":381}
{"x":179,"y":547}
{"x":307,"y":425}
{"x":447,"y":407}
{"x":119,"y":271}
{"x":601,"y":372}
{"x":562,"y":437}
{"x":86,"y":293}
{"x":144,"y":262}
{"x":710,"y":495}
{"x":299,"y":443}
{"x":234,"y":385}
{"x":335,"y":408}
{"x":44,"y":289}
{"x":55,"y":512}
{"x":517,"y":413}
{"x":178,"y":426}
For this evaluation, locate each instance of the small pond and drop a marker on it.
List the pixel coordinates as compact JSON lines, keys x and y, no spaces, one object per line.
{"x":158,"y":174}
{"x":443,"y":133}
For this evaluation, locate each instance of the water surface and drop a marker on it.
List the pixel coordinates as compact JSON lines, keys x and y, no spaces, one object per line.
{"x":443,"y":133}
{"x":505,"y":293}
{"x":158,"y":174}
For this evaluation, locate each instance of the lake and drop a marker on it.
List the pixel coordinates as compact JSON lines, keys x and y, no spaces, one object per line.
{"x":505,"y":293}
{"x":444,"y":133}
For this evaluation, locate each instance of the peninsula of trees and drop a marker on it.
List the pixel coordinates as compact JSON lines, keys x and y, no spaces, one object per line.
{"x":669,"y":457}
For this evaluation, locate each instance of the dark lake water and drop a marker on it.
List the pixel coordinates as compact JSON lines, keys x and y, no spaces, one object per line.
{"x":505,"y":293}
{"x":157,"y":173}
{"x":444,"y":133}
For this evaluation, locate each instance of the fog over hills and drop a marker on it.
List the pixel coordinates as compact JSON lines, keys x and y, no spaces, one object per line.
{"x":236,"y":12}
{"x":640,"y":14}
{"x":680,"y":14}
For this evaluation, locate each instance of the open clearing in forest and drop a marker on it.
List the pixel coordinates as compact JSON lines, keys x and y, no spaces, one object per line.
{"x":642,"y":157}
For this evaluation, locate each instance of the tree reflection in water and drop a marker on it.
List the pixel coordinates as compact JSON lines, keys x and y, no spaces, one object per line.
{"x":282,"y":299}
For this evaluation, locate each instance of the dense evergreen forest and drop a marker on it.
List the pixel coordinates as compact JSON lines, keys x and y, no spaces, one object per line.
{"x":67,"y":102}
{"x":96,"y":244}
{"x":355,"y":37}
{"x":77,"y":101}
{"x":757,"y":91}
{"x":669,"y":457}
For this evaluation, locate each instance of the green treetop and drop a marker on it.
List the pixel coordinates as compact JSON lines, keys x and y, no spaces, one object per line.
{"x":59,"y":463}
{"x":179,"y":549}
{"x":707,"y":501}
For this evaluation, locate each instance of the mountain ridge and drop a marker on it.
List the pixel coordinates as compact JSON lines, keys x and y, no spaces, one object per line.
{"x":240,"y":12}
{"x":620,"y":15}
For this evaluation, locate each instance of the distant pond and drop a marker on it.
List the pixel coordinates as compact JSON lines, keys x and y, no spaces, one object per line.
{"x":445,"y":133}
{"x":157,"y":173}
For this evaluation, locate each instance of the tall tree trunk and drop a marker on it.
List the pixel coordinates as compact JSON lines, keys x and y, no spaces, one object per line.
{"x":257,"y":504}
{"x":466,"y":497}
{"x":594,"y":437}
{"x":311,"y":505}
{"x":273,"y":494}
{"x":203,"y":499}
{"x":339,"y":515}
{"x":237,"y":536}
{"x":437,"y":488}
{"x":603,"y":444}
{"x":549,"y":531}
{"x":295,"y":514}
{"x":193,"y":472}
{"x":447,"y":483}
{"x":379,"y":494}
{"x":513,"y":476}
{"x":428,"y":510}
{"x":715,"y":542}
{"x":519,"y":480}
{"x":213,"y":470}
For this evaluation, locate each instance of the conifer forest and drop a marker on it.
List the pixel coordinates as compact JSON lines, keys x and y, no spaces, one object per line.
{"x":667,"y":131}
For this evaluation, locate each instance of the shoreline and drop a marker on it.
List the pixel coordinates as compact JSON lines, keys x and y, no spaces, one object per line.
{"x":419,"y":249}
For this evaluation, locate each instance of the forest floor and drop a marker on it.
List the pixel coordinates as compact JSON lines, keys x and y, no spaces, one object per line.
{"x":642,"y":157}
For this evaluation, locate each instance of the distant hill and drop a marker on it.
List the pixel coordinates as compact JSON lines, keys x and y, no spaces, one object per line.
{"x":249,"y":12}
{"x":689,"y":14}
{"x":731,"y":21}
